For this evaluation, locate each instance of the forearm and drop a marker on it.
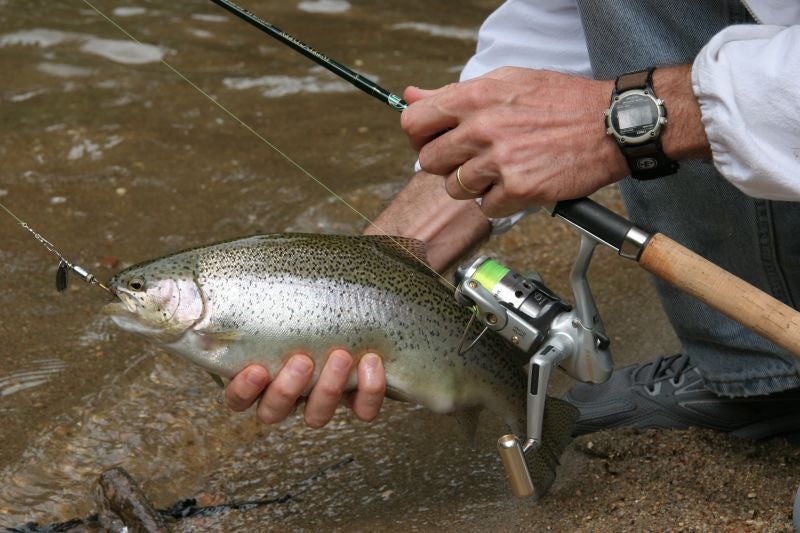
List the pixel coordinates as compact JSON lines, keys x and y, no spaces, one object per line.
{"x":423,"y":210}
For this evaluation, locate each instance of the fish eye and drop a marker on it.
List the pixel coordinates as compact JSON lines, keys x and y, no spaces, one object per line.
{"x":136,"y":284}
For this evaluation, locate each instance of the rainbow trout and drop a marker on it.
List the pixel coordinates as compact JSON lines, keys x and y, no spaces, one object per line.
{"x":260,"y":299}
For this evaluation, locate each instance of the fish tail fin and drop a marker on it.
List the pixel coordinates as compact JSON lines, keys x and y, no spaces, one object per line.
{"x":558,"y":425}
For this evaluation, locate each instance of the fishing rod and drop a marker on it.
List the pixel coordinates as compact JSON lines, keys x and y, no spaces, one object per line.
{"x":655,"y":252}
{"x":361,"y":82}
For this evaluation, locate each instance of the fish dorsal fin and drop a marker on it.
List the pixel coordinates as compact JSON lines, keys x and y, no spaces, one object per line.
{"x":412,"y":251}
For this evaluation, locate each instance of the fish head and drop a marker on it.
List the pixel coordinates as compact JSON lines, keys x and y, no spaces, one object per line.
{"x":157,"y":300}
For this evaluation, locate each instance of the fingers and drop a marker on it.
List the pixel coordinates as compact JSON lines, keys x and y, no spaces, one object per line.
{"x":282,"y":394}
{"x":245,"y":388}
{"x":427,"y":115}
{"x":328,"y":390}
{"x":442,"y":155}
{"x":497,"y":203}
{"x":368,"y":398}
{"x":468,"y":181}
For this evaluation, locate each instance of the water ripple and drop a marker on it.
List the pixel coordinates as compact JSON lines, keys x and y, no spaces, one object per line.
{"x":42,"y":372}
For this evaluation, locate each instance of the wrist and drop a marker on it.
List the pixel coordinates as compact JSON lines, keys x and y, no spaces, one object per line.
{"x":615,"y":163}
{"x":684,"y":137}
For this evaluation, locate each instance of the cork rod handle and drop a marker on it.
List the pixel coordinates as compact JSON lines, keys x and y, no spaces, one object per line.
{"x":722,"y":291}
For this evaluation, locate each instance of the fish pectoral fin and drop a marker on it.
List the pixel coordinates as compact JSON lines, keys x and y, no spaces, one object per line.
{"x":211,"y":340}
{"x":468,"y":420}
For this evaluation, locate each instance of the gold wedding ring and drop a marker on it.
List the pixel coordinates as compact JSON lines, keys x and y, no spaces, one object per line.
{"x":464,"y":188}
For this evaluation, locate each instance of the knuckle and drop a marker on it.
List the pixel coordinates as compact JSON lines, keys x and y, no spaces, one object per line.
{"x":369,"y":409}
{"x":328,"y":390}
{"x":407,"y":121}
{"x":268,"y":416}
{"x":315,"y":421}
{"x":504,"y":153}
{"x":516,"y":190}
{"x":475,"y":93}
{"x":235,"y":402}
{"x":285,"y":394}
{"x":373,"y":389}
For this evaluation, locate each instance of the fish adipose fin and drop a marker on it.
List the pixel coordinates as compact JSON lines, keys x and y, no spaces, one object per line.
{"x":410,"y":251}
{"x":558,"y":424}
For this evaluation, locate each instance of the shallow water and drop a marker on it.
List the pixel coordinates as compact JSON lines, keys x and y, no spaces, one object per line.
{"x":115,"y":159}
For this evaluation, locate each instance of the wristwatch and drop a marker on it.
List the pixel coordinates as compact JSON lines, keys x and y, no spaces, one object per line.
{"x":636,"y":119}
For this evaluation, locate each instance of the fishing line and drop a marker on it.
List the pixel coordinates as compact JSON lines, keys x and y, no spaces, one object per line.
{"x":283,"y":154}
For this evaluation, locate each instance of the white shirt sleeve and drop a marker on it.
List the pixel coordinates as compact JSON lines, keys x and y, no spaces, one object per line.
{"x":543,"y":34}
{"x":747,"y":80}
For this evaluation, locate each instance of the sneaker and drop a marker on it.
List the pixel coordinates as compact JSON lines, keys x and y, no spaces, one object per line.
{"x":669,"y":393}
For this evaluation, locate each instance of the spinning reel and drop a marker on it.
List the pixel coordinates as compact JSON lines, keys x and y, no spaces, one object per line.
{"x":547,"y":331}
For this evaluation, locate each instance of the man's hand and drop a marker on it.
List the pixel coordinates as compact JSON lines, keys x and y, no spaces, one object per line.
{"x":281,"y":397}
{"x":532,"y":137}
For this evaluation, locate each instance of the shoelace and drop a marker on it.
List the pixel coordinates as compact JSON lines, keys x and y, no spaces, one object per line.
{"x":672,"y":366}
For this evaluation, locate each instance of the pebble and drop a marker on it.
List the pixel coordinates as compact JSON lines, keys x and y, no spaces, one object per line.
{"x":3,"y":192}
{"x":109,"y":262}
{"x":121,"y":191}
{"x":206,"y":499}
{"x":55,"y":200}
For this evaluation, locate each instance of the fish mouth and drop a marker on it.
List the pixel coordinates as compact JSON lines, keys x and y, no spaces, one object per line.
{"x":123,"y":305}
{"x":126,"y":314}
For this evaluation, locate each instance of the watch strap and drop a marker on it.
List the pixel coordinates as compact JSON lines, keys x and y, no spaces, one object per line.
{"x":647,"y":161}
{"x":635,"y":80}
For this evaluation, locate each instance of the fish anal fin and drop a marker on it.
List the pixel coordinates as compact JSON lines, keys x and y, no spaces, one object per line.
{"x":468,"y":420}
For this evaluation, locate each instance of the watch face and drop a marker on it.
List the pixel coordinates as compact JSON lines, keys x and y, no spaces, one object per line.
{"x":634,"y":115}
